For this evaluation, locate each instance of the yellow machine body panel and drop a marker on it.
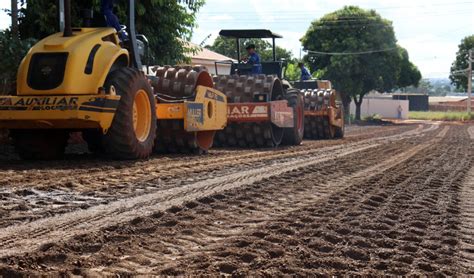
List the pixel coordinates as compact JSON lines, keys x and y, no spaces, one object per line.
{"x":82,"y":111}
{"x":76,"y":65}
{"x":207,"y":112}
{"x":170,"y":111}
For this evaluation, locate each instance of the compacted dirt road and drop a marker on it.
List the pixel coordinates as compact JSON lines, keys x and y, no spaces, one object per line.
{"x":386,"y":200}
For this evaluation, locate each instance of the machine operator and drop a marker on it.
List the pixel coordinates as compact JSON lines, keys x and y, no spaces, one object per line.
{"x":107,"y":9}
{"x":305,"y":74}
{"x":253,"y":59}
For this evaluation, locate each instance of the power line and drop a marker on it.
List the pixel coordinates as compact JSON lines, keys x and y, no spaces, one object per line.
{"x":351,"y":53}
{"x":303,"y":19}
{"x":312,"y":15}
{"x":379,"y":8}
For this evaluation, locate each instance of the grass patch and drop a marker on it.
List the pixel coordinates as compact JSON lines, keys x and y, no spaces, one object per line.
{"x":440,"y":116}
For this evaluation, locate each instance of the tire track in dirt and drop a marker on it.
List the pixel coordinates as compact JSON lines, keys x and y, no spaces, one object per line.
{"x":81,"y":179}
{"x":467,"y":227}
{"x":17,"y":206}
{"x":361,"y":174}
{"x":294,"y":201}
{"x":21,"y":238}
{"x":214,"y":235}
{"x":401,"y":222}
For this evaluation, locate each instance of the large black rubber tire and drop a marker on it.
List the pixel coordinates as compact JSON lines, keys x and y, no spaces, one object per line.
{"x":294,"y":136}
{"x":40,"y":144}
{"x":121,"y":142}
{"x":94,"y":138}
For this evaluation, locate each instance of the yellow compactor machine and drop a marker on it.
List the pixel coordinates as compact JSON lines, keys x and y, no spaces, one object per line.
{"x":85,"y":79}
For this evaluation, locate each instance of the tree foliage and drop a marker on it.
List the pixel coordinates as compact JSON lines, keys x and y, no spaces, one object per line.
{"x":409,"y":73}
{"x":461,"y":63}
{"x":167,"y":24}
{"x":292,"y":72}
{"x":228,"y":47}
{"x":355,"y":30}
{"x":12,"y":52}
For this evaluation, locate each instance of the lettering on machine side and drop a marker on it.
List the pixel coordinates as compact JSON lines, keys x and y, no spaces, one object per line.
{"x":212,"y":95}
{"x":47,"y":103}
{"x":195,"y":114}
{"x":247,"y":111}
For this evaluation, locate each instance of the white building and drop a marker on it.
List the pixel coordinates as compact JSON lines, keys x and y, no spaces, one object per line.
{"x":383,"y":105}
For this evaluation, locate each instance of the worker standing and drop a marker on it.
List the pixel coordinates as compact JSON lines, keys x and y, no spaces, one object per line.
{"x":305,"y":74}
{"x":107,"y":9}
{"x":253,"y":59}
{"x":399,"y":112}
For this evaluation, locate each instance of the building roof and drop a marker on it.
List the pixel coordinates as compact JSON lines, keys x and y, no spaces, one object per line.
{"x":249,"y":33}
{"x":409,"y":94}
{"x":206,"y":54}
{"x":447,"y":99}
{"x":201,"y":53}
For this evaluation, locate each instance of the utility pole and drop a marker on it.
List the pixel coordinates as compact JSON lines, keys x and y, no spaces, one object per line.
{"x":469,"y":82}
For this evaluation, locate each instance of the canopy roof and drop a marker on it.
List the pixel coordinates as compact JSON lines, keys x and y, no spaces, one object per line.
{"x":249,"y":33}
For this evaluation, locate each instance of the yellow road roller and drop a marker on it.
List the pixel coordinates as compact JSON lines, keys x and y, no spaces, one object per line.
{"x":85,"y":79}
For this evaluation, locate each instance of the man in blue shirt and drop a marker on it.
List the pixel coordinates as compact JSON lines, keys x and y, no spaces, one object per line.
{"x":254,"y":59}
{"x":107,"y":9}
{"x":305,"y":74}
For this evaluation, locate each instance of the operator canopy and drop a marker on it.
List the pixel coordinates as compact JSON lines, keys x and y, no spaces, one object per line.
{"x":249,"y":33}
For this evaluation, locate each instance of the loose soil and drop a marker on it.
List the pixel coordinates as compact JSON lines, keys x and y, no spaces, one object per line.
{"x":391,"y":200}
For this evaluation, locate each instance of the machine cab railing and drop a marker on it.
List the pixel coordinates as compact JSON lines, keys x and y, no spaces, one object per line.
{"x":274,"y":67}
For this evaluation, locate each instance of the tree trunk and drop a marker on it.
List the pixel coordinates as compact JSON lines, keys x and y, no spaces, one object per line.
{"x":358,"y":103}
{"x":15,"y":30}
{"x":357,"y":114}
{"x":346,"y":103}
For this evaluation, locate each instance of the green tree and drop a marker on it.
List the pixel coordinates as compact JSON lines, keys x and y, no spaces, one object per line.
{"x":409,"y":73}
{"x":461,"y":63}
{"x":367,"y":56}
{"x":292,"y":72}
{"x":12,"y":52}
{"x":228,"y":47}
{"x":167,"y":24}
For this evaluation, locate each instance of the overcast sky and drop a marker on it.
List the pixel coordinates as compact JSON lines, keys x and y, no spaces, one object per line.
{"x":430,"y":29}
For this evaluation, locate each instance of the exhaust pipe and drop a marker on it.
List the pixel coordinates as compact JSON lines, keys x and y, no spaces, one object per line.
{"x":67,"y":18}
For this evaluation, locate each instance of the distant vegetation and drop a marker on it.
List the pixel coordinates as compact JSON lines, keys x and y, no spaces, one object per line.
{"x":460,"y":80}
{"x":433,"y":87}
{"x":440,"y":116}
